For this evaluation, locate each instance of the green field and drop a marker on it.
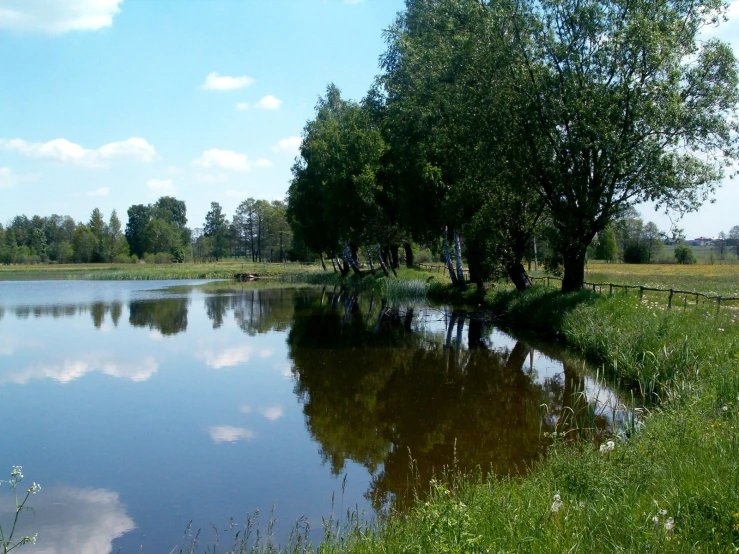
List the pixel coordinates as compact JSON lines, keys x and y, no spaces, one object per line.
{"x":213,"y":270}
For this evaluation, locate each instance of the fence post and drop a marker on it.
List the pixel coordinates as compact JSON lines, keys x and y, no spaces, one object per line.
{"x":593,"y":287}
{"x":696,"y":299}
{"x":685,"y":303}
{"x":547,"y":281}
{"x":669,"y":300}
{"x":610,"y":290}
{"x":641,"y":293}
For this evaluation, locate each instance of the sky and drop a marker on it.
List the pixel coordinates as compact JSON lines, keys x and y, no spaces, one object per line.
{"x":110,"y":103}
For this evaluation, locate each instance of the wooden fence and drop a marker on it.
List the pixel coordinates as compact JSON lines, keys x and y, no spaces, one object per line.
{"x":440,"y":268}
{"x":598,"y":287}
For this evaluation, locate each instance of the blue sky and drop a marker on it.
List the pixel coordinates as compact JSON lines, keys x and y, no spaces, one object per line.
{"x":109,"y":103}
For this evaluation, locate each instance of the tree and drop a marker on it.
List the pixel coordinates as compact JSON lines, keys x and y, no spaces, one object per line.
{"x":606,"y":247}
{"x":684,"y":254}
{"x":734,"y":236}
{"x":139,"y":216}
{"x":161,"y":236}
{"x":620,"y":103}
{"x":331,"y":199}
{"x":216,"y":228}
{"x":452,"y":119}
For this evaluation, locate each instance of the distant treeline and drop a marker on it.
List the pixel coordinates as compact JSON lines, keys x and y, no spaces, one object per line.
{"x":155,"y":233}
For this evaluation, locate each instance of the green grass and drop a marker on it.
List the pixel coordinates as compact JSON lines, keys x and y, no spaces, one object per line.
{"x":214,"y":270}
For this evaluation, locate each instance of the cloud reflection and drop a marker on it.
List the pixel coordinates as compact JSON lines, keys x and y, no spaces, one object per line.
{"x":71,"y":369}
{"x":230,"y":357}
{"x":273,"y":414}
{"x":226,"y":433}
{"x":68,"y":519}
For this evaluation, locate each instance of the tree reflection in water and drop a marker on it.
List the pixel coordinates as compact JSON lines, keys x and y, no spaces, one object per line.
{"x":379,"y":387}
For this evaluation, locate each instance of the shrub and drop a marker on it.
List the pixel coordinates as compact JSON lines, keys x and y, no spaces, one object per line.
{"x":684,"y":255}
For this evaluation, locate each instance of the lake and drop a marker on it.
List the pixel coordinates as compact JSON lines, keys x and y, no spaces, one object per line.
{"x":141,"y":406}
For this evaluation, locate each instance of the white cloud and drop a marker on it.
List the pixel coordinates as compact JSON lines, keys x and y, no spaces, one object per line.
{"x":70,"y":519}
{"x":214,"y":81}
{"x":71,"y":369}
{"x":57,"y":16}
{"x":269,"y":102}
{"x":225,"y":159}
{"x":263,"y":162}
{"x":161,"y":187}
{"x":289,"y":145}
{"x":210,"y":178}
{"x":135,"y":148}
{"x":226,"y":433}
{"x":273,"y":414}
{"x":102,"y":191}
{"x":242,"y":106}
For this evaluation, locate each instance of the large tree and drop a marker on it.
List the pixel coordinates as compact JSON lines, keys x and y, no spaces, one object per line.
{"x":622,"y":103}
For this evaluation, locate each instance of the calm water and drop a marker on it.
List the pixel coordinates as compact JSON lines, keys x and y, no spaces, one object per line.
{"x":140,"y":407}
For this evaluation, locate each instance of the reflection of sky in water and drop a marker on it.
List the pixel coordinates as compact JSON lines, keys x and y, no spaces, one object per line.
{"x":187,"y":419}
{"x":68,"y":519}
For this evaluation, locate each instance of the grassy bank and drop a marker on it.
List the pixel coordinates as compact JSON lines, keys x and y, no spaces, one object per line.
{"x":128,"y":272}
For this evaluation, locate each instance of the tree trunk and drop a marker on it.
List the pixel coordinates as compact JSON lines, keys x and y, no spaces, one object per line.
{"x":408,"y":247}
{"x":369,"y":259}
{"x":394,"y":256}
{"x":323,"y":263}
{"x":574,"y":265}
{"x":536,"y":256}
{"x":333,"y":263}
{"x":448,"y":259}
{"x":350,"y":260}
{"x":517,"y":274}
{"x":344,"y":269}
{"x":381,"y":261}
{"x":385,"y":257}
{"x":458,"y":258}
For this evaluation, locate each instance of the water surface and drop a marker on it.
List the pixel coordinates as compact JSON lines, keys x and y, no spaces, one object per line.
{"x":140,"y":407}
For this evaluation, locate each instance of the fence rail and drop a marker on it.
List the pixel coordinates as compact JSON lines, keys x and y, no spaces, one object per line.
{"x":641,"y":288}
{"x":440,"y":268}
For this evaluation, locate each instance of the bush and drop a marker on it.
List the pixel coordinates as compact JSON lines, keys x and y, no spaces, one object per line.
{"x":684,"y":255}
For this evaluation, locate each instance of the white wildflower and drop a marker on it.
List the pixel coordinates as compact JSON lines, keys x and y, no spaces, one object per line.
{"x":725,"y":409}
{"x":663,"y":513}
{"x":669,"y":524}
{"x":34,"y":488}
{"x":603,"y":448}
{"x":610,"y":445}
{"x":17,"y":472}
{"x":557,"y":504}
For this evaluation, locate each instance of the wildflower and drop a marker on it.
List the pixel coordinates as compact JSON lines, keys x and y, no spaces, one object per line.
{"x":610,"y":445}
{"x":17,"y":472}
{"x":725,"y":409}
{"x":34,"y":488}
{"x":663,"y":513}
{"x":557,"y":504}
{"x":603,"y":448}
{"x":669,"y":524}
